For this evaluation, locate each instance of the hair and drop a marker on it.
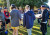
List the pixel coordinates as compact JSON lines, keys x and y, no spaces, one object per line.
{"x":13,"y":7}
{"x":17,"y":8}
{"x":27,"y":6}
{"x":20,"y":8}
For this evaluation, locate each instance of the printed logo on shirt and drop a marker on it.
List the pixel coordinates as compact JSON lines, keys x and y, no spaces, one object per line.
{"x":7,"y":13}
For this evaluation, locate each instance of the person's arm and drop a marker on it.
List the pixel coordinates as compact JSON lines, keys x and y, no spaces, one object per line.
{"x":48,"y":15}
{"x":19,"y":15}
{"x":24,"y":21}
{"x":4,"y":18}
{"x":43,"y":16}
{"x":33,"y":16}
{"x":11,"y":14}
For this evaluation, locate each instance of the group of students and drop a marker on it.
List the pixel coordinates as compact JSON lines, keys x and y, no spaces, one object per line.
{"x":28,"y":19}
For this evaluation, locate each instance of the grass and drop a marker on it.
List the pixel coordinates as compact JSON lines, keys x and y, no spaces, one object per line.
{"x":35,"y":30}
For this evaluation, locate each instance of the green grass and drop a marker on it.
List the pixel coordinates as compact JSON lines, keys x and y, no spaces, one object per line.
{"x":35,"y":30}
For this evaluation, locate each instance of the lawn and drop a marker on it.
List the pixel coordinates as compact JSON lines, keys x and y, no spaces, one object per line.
{"x":35,"y":30}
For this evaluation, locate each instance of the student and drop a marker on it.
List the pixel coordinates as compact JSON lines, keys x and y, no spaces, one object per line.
{"x":15,"y":17}
{"x":7,"y":15}
{"x":44,"y":19}
{"x":28,"y":19}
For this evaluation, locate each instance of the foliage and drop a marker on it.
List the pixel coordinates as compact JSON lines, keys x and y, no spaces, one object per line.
{"x":1,"y":4}
{"x":32,"y":3}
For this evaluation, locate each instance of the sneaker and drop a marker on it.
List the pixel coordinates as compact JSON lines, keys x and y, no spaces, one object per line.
{"x":11,"y":29}
{"x":6,"y":32}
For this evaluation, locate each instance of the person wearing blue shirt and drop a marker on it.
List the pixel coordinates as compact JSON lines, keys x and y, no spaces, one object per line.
{"x":28,"y":19}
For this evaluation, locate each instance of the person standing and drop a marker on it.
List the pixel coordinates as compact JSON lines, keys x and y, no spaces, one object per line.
{"x":7,"y":18}
{"x":28,"y":19}
{"x":44,"y":19}
{"x":15,"y":17}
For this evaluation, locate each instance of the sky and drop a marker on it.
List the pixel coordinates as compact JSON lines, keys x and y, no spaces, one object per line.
{"x":48,"y":3}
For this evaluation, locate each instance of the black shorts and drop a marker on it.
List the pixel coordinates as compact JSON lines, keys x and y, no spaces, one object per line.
{"x":7,"y":21}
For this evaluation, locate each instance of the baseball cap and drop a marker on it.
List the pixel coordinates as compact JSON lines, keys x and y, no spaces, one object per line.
{"x":5,"y":8}
{"x":43,"y":5}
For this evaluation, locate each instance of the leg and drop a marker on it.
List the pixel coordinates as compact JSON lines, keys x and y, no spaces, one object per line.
{"x":14,"y":32}
{"x":29,"y":31}
{"x":17,"y":32}
{"x":6,"y":26}
{"x":0,"y":24}
{"x":46,"y":28}
{"x":9,"y":25}
{"x":49,"y":22}
{"x":38,"y":21}
{"x":43,"y":33}
{"x":43,"y":28}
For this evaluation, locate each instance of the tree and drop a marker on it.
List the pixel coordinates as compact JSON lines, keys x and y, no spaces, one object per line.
{"x":32,"y":3}
{"x":8,"y":4}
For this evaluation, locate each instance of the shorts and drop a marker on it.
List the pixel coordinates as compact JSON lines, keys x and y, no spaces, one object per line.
{"x":15,"y":28}
{"x":7,"y":21}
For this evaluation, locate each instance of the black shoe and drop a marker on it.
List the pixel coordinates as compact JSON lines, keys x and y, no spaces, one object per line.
{"x":11,"y":29}
{"x":21,"y":24}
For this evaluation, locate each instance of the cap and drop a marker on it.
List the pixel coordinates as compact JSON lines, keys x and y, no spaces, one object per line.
{"x":5,"y":8}
{"x":43,"y":5}
{"x":12,"y":5}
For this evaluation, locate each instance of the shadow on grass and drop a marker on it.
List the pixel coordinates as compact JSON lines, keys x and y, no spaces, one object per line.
{"x":9,"y":33}
{"x":35,"y":29}
{"x":35,"y":32}
{"x":25,"y":33}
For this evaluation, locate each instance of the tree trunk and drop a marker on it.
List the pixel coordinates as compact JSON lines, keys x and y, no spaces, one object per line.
{"x":8,"y":4}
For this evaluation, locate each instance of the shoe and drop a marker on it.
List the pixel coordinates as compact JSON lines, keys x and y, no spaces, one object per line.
{"x":6,"y":32}
{"x":21,"y":24}
{"x":11,"y":29}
